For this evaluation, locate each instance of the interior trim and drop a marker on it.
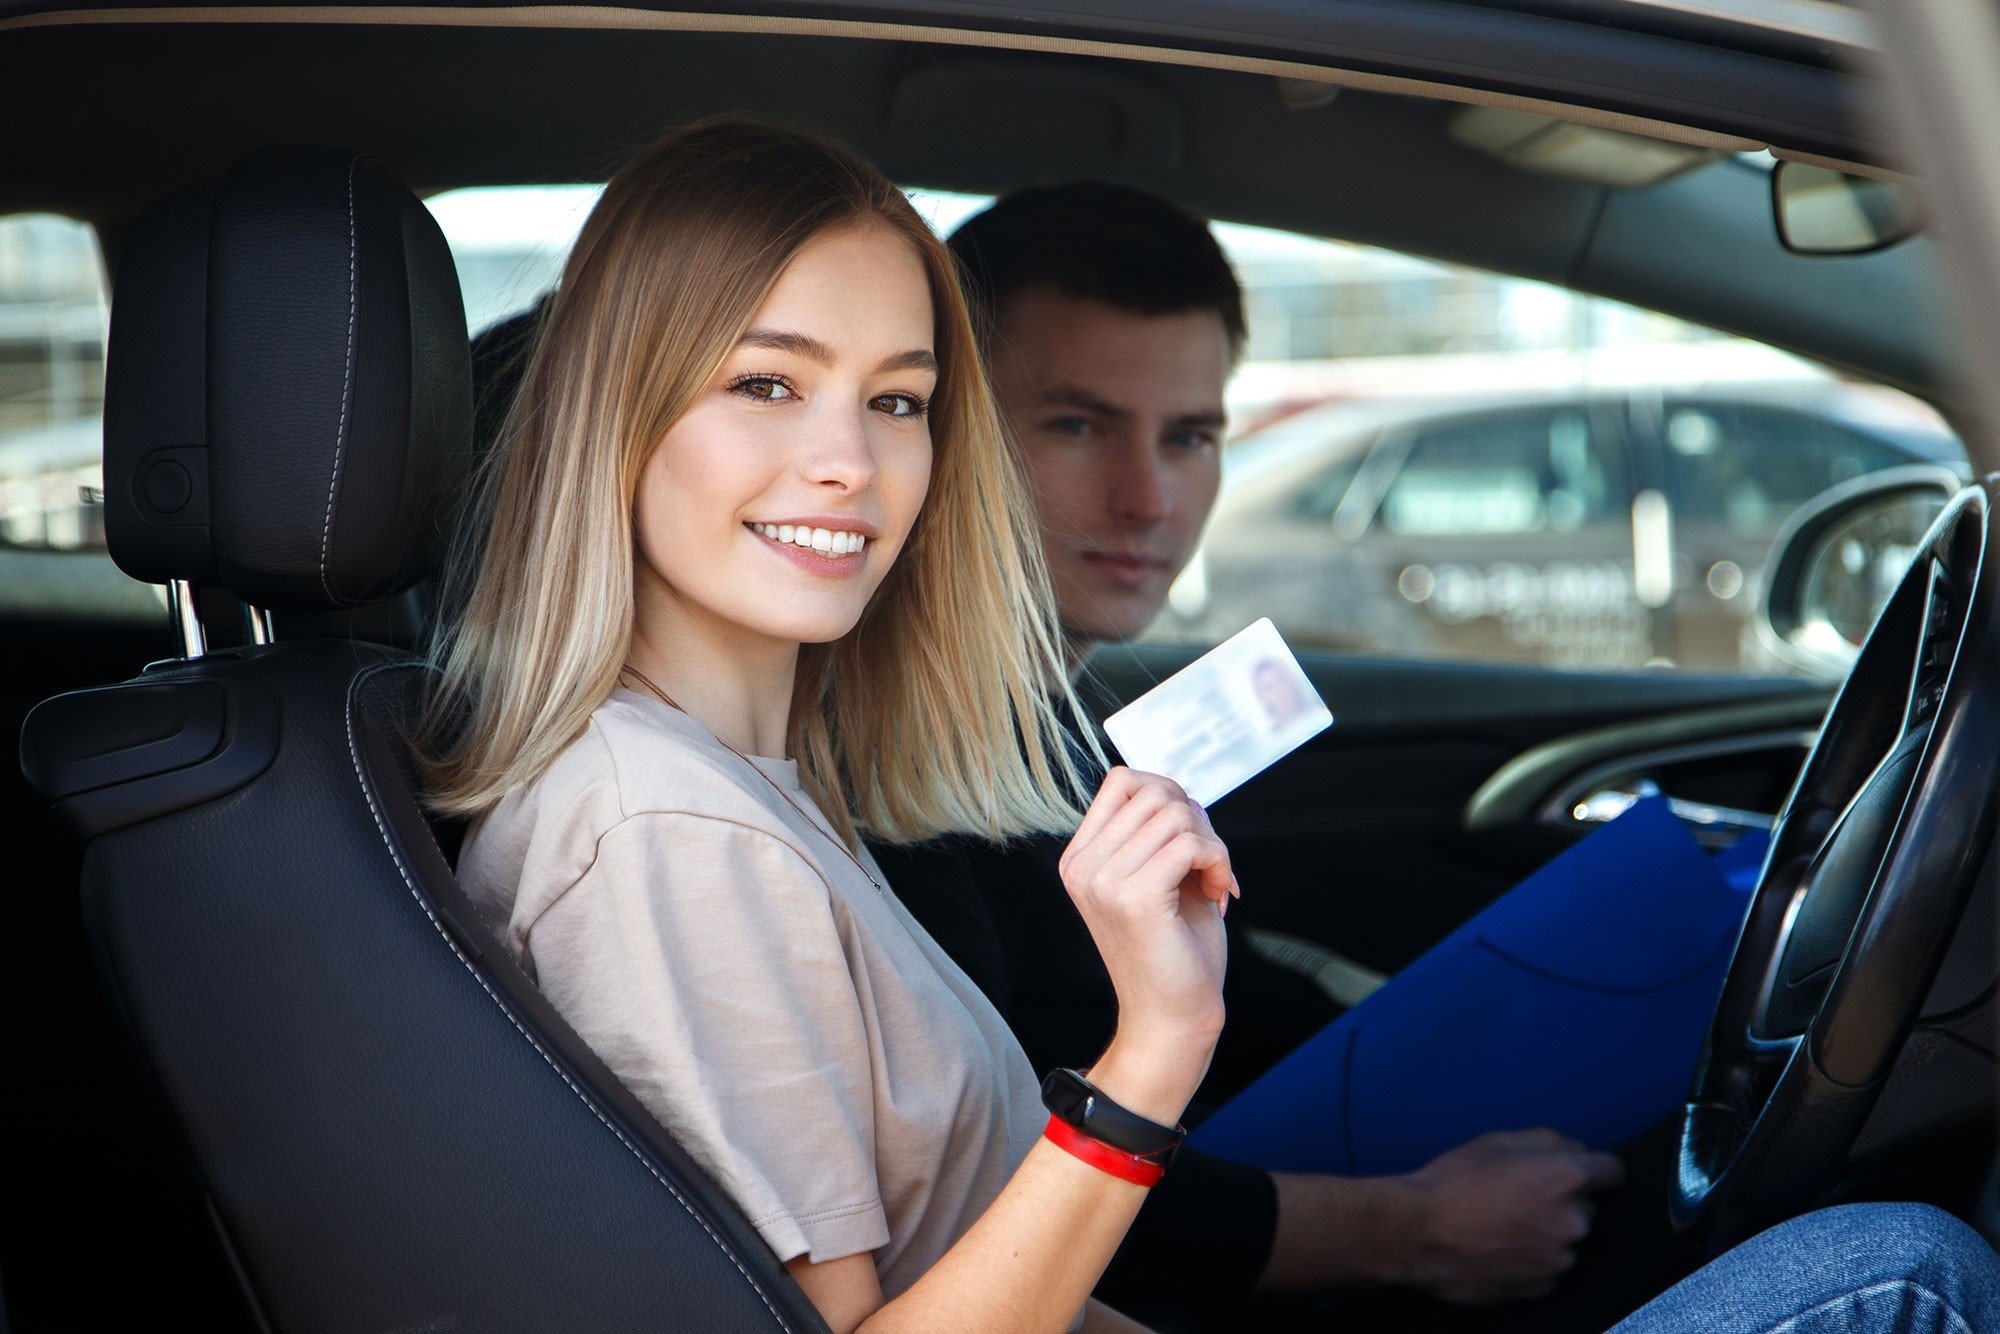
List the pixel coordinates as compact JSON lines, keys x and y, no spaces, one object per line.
{"x":1556,"y":809}
{"x":1518,"y":788}
{"x":619,"y":18}
{"x":1343,"y":980}
{"x":1818,"y":20}
{"x":1868,"y":169}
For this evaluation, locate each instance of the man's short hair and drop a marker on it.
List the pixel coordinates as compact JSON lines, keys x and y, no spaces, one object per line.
{"x":1096,"y":241}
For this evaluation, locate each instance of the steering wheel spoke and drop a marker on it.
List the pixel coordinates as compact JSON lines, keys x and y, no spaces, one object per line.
{"x":1937,"y":646}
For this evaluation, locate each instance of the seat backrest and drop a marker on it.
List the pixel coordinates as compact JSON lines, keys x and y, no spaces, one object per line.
{"x":394,"y":1128}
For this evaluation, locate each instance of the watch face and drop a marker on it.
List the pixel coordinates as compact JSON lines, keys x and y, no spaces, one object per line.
{"x":1070,"y":1097}
{"x":1066,"y":1094}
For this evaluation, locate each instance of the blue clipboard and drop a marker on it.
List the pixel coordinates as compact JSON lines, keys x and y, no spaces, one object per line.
{"x":1577,"y":1000}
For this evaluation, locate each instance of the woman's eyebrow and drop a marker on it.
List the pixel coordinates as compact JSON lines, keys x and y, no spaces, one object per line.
{"x":812,"y":349}
{"x":785,"y":340}
{"x":916,"y":359}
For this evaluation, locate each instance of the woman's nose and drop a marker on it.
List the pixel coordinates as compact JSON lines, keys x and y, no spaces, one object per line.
{"x":841,"y":453}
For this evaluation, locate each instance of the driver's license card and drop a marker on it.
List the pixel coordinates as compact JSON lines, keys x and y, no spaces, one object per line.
{"x":1224,"y":718}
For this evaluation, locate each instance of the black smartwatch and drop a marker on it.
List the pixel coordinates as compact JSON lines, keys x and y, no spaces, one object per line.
{"x":1078,"y":1103}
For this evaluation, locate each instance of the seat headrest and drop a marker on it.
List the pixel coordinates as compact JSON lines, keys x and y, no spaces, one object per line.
{"x":287,"y":385}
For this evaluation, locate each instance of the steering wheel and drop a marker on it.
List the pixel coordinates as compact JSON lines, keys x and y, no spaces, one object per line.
{"x":1871,"y":863}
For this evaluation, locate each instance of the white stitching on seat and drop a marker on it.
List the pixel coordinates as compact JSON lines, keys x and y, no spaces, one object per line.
{"x":346,"y":392}
{"x":367,"y":791}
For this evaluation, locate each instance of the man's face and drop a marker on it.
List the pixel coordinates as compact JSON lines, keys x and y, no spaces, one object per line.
{"x":1119,"y":421}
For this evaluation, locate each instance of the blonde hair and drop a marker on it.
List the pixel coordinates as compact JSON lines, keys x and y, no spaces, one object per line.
{"x":937,"y":712}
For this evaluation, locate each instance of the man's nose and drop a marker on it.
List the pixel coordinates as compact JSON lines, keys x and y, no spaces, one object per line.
{"x":1138,"y":486}
{"x":841,"y":454}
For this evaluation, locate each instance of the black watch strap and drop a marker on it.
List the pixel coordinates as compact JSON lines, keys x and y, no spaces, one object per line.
{"x":1077,"y":1102}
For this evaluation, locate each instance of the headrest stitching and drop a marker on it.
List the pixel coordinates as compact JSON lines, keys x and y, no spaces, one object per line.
{"x":346,"y":394}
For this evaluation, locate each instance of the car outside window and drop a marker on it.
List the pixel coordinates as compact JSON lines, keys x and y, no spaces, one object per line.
{"x":1433,"y":461}
{"x":52,"y":331}
{"x":1510,"y":473}
{"x":1748,"y":468}
{"x":1322,"y":497}
{"x":508,"y":243}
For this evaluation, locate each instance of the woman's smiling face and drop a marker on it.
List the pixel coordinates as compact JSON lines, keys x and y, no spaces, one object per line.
{"x":777,"y":503}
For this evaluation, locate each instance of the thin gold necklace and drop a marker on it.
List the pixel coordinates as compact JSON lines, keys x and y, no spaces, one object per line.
{"x":772,"y":783}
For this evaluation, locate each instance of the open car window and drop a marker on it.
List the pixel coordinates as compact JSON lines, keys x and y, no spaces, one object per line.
{"x":1432,"y":461}
{"x":509,"y":242}
{"x":53,"y":319}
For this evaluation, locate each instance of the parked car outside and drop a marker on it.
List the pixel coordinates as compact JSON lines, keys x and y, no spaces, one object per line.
{"x":1406,"y":527}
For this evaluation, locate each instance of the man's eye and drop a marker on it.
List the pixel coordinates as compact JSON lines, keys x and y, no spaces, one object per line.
{"x":763,"y":388}
{"x":1191,"y":439}
{"x":900,"y":405}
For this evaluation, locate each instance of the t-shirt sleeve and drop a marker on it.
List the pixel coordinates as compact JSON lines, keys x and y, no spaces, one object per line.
{"x":702,"y":960}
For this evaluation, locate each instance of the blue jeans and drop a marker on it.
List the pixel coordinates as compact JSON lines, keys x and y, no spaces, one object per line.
{"x":1855,"y":1269}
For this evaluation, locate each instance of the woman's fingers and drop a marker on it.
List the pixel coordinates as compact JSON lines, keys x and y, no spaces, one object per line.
{"x":1187,"y":855}
{"x":1118,"y":785}
{"x":1143,"y":833}
{"x":1176,"y":871}
{"x":1140,"y":854}
{"x":1124,"y":802}
{"x":1146,"y":803}
{"x":1235,"y":888}
{"x":1130,"y":854}
{"x":1208,"y":862}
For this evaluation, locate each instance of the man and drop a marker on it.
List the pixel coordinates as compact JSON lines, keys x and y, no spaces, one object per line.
{"x":1112,"y":322}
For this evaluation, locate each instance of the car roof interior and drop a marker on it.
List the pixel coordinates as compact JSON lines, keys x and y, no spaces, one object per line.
{"x":453,"y":106}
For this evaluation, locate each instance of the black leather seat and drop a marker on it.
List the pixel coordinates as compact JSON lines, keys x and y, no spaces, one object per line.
{"x":394,"y":1129}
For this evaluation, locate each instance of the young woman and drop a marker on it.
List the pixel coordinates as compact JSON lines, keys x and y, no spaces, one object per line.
{"x":757,"y":574}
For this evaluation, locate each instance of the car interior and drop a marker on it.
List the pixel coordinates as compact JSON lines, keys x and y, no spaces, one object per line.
{"x":272,"y":1071}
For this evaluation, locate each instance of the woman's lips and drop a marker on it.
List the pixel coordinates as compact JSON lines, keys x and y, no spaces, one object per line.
{"x":812,"y":561}
{"x":1123,"y":570}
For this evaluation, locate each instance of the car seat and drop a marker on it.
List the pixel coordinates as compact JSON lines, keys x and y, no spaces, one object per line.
{"x":394,"y":1130}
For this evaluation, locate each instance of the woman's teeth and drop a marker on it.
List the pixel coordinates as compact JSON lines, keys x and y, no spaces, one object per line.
{"x":826,"y":541}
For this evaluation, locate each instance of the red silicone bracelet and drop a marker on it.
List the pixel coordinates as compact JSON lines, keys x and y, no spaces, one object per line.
{"x":1102,"y":1156}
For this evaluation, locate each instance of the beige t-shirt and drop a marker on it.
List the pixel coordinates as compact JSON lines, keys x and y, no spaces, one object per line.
{"x":792,"y":1026}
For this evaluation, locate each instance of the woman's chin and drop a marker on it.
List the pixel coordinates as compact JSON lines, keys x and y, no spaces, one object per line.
{"x":818,"y":628}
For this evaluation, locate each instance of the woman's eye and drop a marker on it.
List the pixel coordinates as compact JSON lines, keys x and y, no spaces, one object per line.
{"x":764,"y":388}
{"x":899,"y":405}
{"x":1074,"y":427}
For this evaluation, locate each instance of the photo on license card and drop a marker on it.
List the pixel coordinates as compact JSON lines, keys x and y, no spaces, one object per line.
{"x":1223,"y":718}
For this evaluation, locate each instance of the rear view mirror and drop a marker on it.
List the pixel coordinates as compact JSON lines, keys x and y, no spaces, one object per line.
{"x":1822,"y":211}
{"x":1838,"y":560}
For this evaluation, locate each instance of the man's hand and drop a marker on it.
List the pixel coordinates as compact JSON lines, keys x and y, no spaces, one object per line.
{"x":1499,"y":1219}
{"x":1494,"y":1220}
